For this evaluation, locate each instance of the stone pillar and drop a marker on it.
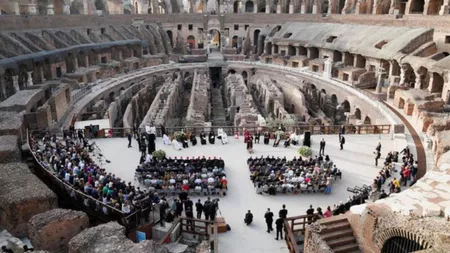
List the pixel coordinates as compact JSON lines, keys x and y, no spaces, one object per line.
{"x":418,"y":83}
{"x":204,"y":9}
{"x":444,"y":8}
{"x":30,"y":78}
{"x":267,"y":8}
{"x":278,"y":8}
{"x":256,"y":8}
{"x":291,"y":8}
{"x":66,"y":9}
{"x":315,"y":7}
{"x":302,"y":7}
{"x":328,"y":66}
{"x":379,"y":83}
{"x":375,"y":6}
{"x":50,"y":10}
{"x":16,"y":83}
{"x":430,"y":83}
{"x":402,"y":76}
{"x":331,"y":6}
{"x":357,"y":7}
{"x":32,"y":10}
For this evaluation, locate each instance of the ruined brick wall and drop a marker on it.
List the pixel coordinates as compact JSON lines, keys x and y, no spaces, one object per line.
{"x":60,"y":102}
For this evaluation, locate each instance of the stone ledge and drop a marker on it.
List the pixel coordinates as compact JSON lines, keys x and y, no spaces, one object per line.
{"x":9,"y":149}
{"x":54,"y":229}
{"x":22,"y":195}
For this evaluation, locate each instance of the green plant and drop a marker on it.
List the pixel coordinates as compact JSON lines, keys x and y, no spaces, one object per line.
{"x":282,"y":134}
{"x":159,"y":154}
{"x":304,"y":151}
{"x":179,"y":136}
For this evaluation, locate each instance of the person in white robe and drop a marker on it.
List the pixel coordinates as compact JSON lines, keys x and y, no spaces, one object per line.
{"x":166,"y":140}
{"x":177,"y":145}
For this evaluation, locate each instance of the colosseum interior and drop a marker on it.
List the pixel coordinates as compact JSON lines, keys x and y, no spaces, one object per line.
{"x":379,"y":68}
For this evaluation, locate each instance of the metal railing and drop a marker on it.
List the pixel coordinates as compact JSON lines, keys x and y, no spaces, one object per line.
{"x":232,"y":130}
{"x":90,"y":205}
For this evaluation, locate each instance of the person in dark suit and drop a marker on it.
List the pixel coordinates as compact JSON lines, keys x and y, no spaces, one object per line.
{"x":269,"y":220}
{"x":130,"y":136}
{"x":199,"y":209}
{"x":310,"y":211}
{"x":342,"y":142}
{"x":283,"y":212}
{"x":266,"y":138}
{"x":322,"y":147}
{"x":203,"y":138}
{"x":279,"y":223}
{"x":377,"y":156}
{"x":257,"y":136}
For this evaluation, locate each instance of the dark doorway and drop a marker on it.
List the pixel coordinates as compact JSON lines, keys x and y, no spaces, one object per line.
{"x":401,"y":245}
{"x":58,"y":72}
{"x":215,"y":74}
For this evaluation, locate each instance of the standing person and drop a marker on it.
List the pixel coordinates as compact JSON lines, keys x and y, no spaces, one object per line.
{"x":341,"y":131}
{"x":283,"y":212}
{"x":213,"y":210}
{"x":322,"y":147}
{"x":206,"y":208}
{"x":130,"y":136}
{"x":179,"y":208}
{"x":163,"y":130}
{"x":310,"y":212}
{"x":377,"y":156}
{"x":190,"y":214}
{"x":269,"y":220}
{"x":162,"y":211}
{"x":378,"y":148}
{"x":342,"y":142}
{"x":279,"y":223}
{"x":199,"y":209}
{"x":188,"y":204}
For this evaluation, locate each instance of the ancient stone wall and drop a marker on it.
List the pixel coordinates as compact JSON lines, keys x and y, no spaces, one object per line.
{"x":52,"y":230}
{"x":198,"y":109}
{"x":22,"y":195}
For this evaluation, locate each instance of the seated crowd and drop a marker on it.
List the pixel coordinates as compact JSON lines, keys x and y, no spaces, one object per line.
{"x":70,"y":160}
{"x":272,"y":175}
{"x":173,"y":175}
{"x":408,"y":172}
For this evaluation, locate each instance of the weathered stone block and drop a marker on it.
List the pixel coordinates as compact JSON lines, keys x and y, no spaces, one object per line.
{"x":9,"y":149}
{"x":54,"y":229}
{"x":109,"y":238}
{"x":22,"y":195}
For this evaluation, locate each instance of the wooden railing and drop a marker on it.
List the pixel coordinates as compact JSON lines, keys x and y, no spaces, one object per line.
{"x":196,"y":227}
{"x":292,"y":227}
{"x":232,"y":130}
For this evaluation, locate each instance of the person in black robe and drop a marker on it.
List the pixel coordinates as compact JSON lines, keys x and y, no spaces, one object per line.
{"x":151,"y":143}
{"x":250,"y":144}
{"x":184,"y":142}
{"x":257,"y":136}
{"x":203,"y":138}
{"x":193,"y":139}
{"x":212,"y":137}
{"x":163,"y":130}
{"x":266,"y":138}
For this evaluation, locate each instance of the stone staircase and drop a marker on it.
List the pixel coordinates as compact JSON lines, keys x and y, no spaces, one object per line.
{"x":218,"y":117}
{"x":339,"y":235}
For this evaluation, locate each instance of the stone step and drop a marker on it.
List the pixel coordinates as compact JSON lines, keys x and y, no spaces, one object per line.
{"x":342,"y":241}
{"x":337,"y":234}
{"x":347,"y":248}
{"x":335,"y":226}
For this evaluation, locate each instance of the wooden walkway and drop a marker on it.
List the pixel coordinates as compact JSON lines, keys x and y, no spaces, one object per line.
{"x":421,"y":157}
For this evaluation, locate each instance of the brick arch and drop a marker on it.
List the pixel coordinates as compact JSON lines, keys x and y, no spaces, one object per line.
{"x":399,"y":232}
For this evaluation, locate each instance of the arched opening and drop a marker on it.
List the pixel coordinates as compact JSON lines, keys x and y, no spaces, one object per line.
{"x":170,"y":35}
{"x":70,"y":63}
{"x":367,"y":120}
{"x":231,"y":71}
{"x":275,"y":49}
{"x":191,"y":41}
{"x":255,"y":37}
{"x":401,"y":244}
{"x":126,"y":52}
{"x":81,"y":58}
{"x":93,"y":59}
{"x":348,"y":59}
{"x":234,"y":42}
{"x":437,"y":84}
{"x":302,"y":50}
{"x":313,"y":53}
{"x":150,"y":10}
{"x":409,"y":75}
{"x":341,"y":6}
{"x":345,"y":106}
{"x":249,"y":7}
{"x":288,"y":2}
{"x":395,"y":68}
{"x":360,"y":61}
{"x":417,"y":6}
{"x":215,"y":38}
{"x":38,"y":77}
{"x":111,"y":96}
{"x":244,"y":76}
{"x":9,"y":82}
{"x":358,"y":114}
{"x":115,"y":54}
{"x":337,"y":56}
{"x":268,"y":48}
{"x":236,"y":6}
{"x":99,"y":5}
{"x":292,"y":50}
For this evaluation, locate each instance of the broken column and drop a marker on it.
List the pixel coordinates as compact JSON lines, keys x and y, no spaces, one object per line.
{"x":22,"y":195}
{"x":52,"y":230}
